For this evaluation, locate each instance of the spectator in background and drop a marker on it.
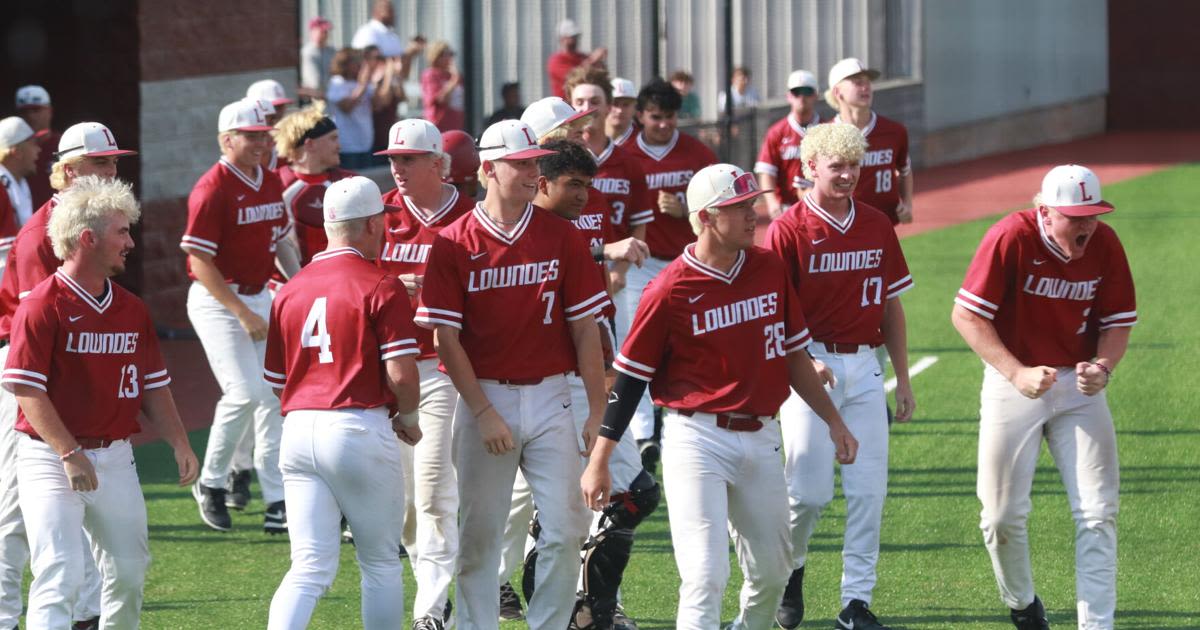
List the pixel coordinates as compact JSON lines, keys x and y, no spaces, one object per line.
{"x":385,"y":113}
{"x":568,"y":57}
{"x":683,"y":82}
{"x":512,"y":108}
{"x":744,"y":94}
{"x":441,"y":88}
{"x":33,"y":105}
{"x":352,"y":96}
{"x":19,"y":150}
{"x":315,"y":57}
{"x":378,"y":31}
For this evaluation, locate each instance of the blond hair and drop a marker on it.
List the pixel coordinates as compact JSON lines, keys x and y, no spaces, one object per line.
{"x":694,"y":218}
{"x":291,"y":128}
{"x":435,"y":50}
{"x":89,"y":203}
{"x":58,"y":173}
{"x":831,"y":99}
{"x":835,"y":140}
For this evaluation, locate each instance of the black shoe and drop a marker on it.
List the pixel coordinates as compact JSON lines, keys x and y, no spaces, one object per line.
{"x":621,"y":621}
{"x":1033,"y":617}
{"x":510,"y":604}
{"x":791,"y":610}
{"x":275,"y":518}
{"x":428,"y":623}
{"x":347,"y":535}
{"x":651,"y":453}
{"x":237,"y":490}
{"x":87,"y":624}
{"x":403,"y":551}
{"x":212,"y":507}
{"x":447,"y":612}
{"x":856,"y":616}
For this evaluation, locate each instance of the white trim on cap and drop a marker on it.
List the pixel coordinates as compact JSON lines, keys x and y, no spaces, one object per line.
{"x":99,"y":306}
{"x":690,"y":259}
{"x":842,"y":226}
{"x":658,"y":152}
{"x":496,"y":230}
{"x":255,"y":183}
{"x":430,"y":220}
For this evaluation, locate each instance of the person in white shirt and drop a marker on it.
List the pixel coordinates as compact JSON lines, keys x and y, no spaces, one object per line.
{"x":19,"y":151}
{"x":315,"y":56}
{"x":378,"y":31}
{"x":744,"y":94}
{"x":352,"y":96}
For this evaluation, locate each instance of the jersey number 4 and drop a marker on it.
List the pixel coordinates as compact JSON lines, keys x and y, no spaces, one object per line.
{"x":316,"y":331}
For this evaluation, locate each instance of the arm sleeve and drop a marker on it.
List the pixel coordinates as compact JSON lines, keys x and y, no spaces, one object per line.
{"x":768,"y":156}
{"x":896,"y":272}
{"x":623,"y":402}
{"x":205,"y":213}
{"x":1116,"y":305}
{"x":781,"y":239}
{"x":640,"y":208}
{"x":154,"y":372}
{"x":903,"y":160}
{"x":392,"y":316}
{"x":583,"y":289}
{"x":34,"y":330}
{"x":796,"y":335}
{"x":275,"y":363}
{"x":646,"y":342}
{"x":442,"y":299}
{"x":986,"y":282}
{"x":35,"y":260}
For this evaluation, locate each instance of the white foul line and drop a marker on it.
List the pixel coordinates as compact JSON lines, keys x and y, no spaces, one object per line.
{"x":922,"y":364}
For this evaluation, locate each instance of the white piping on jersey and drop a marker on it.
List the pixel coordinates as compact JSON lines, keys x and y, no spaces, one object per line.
{"x":606,"y":153}
{"x":1050,"y":244}
{"x":497,"y":230}
{"x":802,"y":129}
{"x":625,"y":136}
{"x":690,"y":259}
{"x":866,"y":131}
{"x":429,"y":220}
{"x":842,"y":226}
{"x":657,"y":152}
{"x":100,"y":307}
{"x":255,"y":183}
{"x":341,"y":251}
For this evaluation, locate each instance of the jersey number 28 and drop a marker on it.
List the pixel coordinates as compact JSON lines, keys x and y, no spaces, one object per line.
{"x":316,"y":331}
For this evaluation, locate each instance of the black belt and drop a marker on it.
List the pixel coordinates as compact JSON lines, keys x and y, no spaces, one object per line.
{"x":250,"y":289}
{"x":729,"y":421}
{"x":845,"y":348}
{"x":88,"y":443}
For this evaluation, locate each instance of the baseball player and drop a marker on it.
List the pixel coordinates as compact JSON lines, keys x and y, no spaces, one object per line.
{"x":19,"y":151}
{"x":886,"y":181}
{"x":33,"y":105}
{"x":845,"y":261}
{"x":778,"y":167}
{"x":464,"y":163}
{"x":667,"y":158}
{"x":723,"y":310}
{"x":1047,"y":304}
{"x":619,"y":125}
{"x":271,"y":92}
{"x":418,"y":209}
{"x":511,"y":292}
{"x":84,"y":362}
{"x":235,"y":217}
{"x":332,"y":325}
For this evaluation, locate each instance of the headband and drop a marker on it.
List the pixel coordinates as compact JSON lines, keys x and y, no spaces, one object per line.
{"x":323,"y":126}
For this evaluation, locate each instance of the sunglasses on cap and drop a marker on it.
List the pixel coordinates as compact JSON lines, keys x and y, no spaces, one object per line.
{"x":802,"y":91}
{"x":743,"y":184}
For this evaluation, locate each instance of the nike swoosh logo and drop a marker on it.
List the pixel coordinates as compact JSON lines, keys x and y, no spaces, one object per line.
{"x":819,"y":241}
{"x":692,"y":300}
{"x":777,"y":449}
{"x":75,"y":318}
{"x":878,"y":373}
{"x":478,"y":256}
{"x":241,"y":197}
{"x":566,"y":405}
{"x":848,"y":625}
{"x":397,"y":230}
{"x":276,"y":515}
{"x":1038,"y":261}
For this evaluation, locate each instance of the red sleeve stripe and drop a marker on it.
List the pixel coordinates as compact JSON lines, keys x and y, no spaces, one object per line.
{"x":7,"y":242}
{"x":900,"y":286}
{"x":24,"y":377}
{"x":591,"y":311}
{"x":274,"y":378}
{"x":637,"y":370}
{"x":798,"y":341}
{"x":970,"y":304}
{"x":34,"y":375}
{"x":641,"y":218}
{"x":155,"y":384}
{"x":198,"y":244}
{"x":1118,"y":320}
{"x":431,"y":317}
{"x":398,"y":349}
{"x":601,"y":297}
{"x":767,"y":168}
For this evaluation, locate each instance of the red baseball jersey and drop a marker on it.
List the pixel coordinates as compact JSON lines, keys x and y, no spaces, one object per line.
{"x":619,"y":179}
{"x":8,"y":296}
{"x":886,"y":160}
{"x":408,"y":239}
{"x":40,"y":189}
{"x":716,"y":342}
{"x":303,"y":198}
{"x":669,"y":168}
{"x":780,"y":157}
{"x":597,"y":230}
{"x":8,"y":216}
{"x":1048,"y":309}
{"x":843,"y":271}
{"x":624,"y":138}
{"x":331,"y":328}
{"x":512,"y":293}
{"x":237,"y":220}
{"x":30,"y":260}
{"x":93,"y":358}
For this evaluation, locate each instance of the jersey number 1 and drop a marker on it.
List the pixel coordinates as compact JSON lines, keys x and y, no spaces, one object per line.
{"x":316,"y":331}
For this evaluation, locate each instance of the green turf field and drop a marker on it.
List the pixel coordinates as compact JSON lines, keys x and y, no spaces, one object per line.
{"x":934,"y":571}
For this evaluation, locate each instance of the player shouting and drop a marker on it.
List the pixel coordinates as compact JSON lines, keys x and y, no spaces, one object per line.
{"x":1048,"y":303}
{"x":721,"y":311}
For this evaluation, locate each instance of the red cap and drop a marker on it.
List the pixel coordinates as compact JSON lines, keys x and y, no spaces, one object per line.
{"x":464,"y":159}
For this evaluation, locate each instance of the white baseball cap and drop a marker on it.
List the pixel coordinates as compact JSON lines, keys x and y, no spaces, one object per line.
{"x":352,"y":198}
{"x":243,"y":115}
{"x":550,"y":113}
{"x":14,"y":130}
{"x":1074,"y":190}
{"x":32,"y":96}
{"x":88,"y":139}
{"x":509,"y":140}
{"x":268,"y":90}
{"x":802,"y":78}
{"x":263,"y":105}
{"x":721,"y":185}
{"x":568,"y":28}
{"x":623,"y":88}
{"x":412,"y":136}
{"x":847,"y":68}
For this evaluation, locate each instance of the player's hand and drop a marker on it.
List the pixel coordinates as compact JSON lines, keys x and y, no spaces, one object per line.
{"x":412,"y":282}
{"x":254,"y":325}
{"x":415,"y":45}
{"x":630,"y":249}
{"x":596,"y":485}
{"x":670,"y":205}
{"x":591,"y":429}
{"x":616,"y":280}
{"x":1089,"y":378}
{"x":80,"y":472}
{"x":904,"y":212}
{"x":497,"y":437}
{"x":905,"y":403}
{"x":844,"y":443}
{"x":1032,"y":382}
{"x":189,"y":467}
{"x":408,"y":435}
{"x":823,"y":371}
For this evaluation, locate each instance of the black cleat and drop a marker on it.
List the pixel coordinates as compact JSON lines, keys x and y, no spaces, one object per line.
{"x":510,"y":604}
{"x":621,"y":621}
{"x":791,"y":610}
{"x":428,"y":622}
{"x":403,"y":551}
{"x":1033,"y":617}
{"x":856,"y":616}
{"x":275,"y":518}
{"x":237,"y":490}
{"x":87,"y":624}
{"x":651,"y":452}
{"x":212,"y":507}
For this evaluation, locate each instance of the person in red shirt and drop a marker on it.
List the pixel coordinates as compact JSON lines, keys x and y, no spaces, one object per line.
{"x":511,"y":292}
{"x":235,"y":218}
{"x":1048,"y":304}
{"x":308,"y":140}
{"x":19,"y":151}
{"x":340,"y":356}
{"x":84,"y":364}
{"x":568,"y":57}
{"x":619,"y":126}
{"x":464,"y":163}
{"x":778,"y":167}
{"x":886,"y":181}
{"x":33,"y":105}
{"x":442,"y":88}
{"x":721,"y":311}
{"x":845,"y":262}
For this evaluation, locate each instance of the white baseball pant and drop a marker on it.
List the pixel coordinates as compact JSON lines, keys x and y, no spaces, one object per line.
{"x":236,"y":363}
{"x":335,"y":463}
{"x":860,"y":399}
{"x":546,"y":453}
{"x":1079,"y":433}
{"x":243,"y":453}
{"x":114,"y":516}
{"x":636,"y":279}
{"x":716,"y":480}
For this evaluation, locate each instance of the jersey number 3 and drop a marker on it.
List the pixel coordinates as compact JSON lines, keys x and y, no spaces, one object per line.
{"x":316,"y":331}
